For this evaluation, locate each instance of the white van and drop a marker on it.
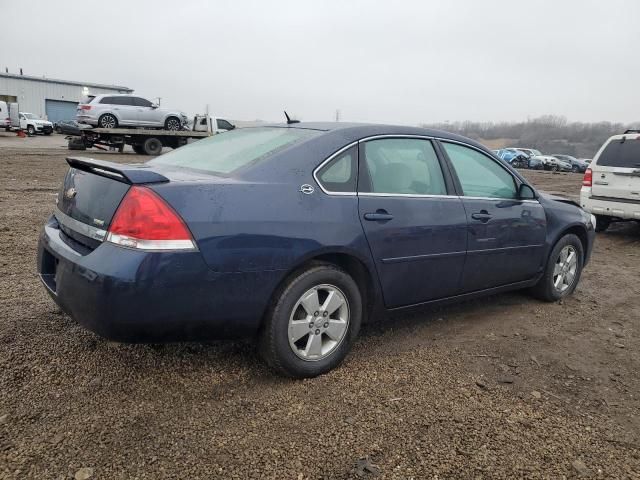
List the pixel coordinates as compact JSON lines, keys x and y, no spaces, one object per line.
{"x":5,"y":119}
{"x":611,"y":184}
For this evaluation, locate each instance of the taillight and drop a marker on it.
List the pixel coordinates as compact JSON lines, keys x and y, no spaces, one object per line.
{"x":145,"y":221}
{"x":85,"y":107}
{"x":587,"y":180}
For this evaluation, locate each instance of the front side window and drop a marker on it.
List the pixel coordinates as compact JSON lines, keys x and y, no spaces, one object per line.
{"x":339,"y":175}
{"x":479,"y":175}
{"x":223,"y":124}
{"x":238,"y":148}
{"x":141,"y":102}
{"x":406,"y":166}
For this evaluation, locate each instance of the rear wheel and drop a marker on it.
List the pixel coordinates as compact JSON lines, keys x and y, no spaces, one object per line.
{"x":312,"y":322}
{"x":575,"y":169}
{"x":602,"y":223}
{"x":172,"y":123}
{"x":108,"y":121}
{"x":563,"y":269}
{"x":152,"y":146}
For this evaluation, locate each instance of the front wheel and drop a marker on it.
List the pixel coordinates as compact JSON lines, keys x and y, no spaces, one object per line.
{"x":31,"y":130}
{"x":313,"y":321}
{"x":172,"y":123}
{"x":563,"y":269}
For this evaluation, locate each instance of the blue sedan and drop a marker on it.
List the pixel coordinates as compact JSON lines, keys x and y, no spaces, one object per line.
{"x":296,"y":234}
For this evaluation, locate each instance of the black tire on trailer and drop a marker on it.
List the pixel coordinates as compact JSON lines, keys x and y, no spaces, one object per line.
{"x":152,"y":146}
{"x":76,"y":144}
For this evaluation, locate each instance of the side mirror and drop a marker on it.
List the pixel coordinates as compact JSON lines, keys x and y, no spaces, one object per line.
{"x":525,"y":192}
{"x":233,"y":127}
{"x":154,"y":105}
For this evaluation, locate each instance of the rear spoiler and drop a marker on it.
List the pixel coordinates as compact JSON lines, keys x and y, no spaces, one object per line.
{"x":132,"y":174}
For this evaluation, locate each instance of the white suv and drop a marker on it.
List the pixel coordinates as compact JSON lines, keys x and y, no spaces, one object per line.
{"x":113,"y":111}
{"x":611,"y":184}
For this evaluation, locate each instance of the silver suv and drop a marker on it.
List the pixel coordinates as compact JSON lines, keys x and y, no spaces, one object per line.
{"x":113,"y":111}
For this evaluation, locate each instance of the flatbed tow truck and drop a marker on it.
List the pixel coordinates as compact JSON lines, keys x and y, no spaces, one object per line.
{"x":143,"y":141}
{"x":147,"y":141}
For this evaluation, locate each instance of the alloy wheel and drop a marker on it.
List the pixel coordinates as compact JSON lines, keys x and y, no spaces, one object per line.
{"x":173,"y":124}
{"x":319,"y":322}
{"x":564,"y":271}
{"x":107,"y":121}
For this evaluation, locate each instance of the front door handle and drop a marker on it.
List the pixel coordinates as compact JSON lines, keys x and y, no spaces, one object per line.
{"x":482,"y":215}
{"x":379,"y":216}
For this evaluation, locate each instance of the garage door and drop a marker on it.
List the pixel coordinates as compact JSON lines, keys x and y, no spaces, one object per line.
{"x":58,"y":110}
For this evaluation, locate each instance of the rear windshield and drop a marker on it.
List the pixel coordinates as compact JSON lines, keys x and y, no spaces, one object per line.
{"x":226,"y":152}
{"x":621,"y":153}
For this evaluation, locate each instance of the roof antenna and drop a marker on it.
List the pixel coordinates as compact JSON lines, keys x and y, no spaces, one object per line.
{"x":289,"y":121}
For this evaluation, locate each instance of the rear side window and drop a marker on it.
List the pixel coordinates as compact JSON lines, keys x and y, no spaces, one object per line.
{"x":238,"y":148}
{"x":405,"y":166}
{"x":107,"y":100}
{"x":621,"y":153}
{"x":480,"y":175}
{"x":339,"y":175}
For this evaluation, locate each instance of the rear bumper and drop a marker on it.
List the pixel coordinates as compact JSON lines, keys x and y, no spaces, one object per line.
{"x":134,"y":296}
{"x":610,"y":207}
{"x":87,"y":120}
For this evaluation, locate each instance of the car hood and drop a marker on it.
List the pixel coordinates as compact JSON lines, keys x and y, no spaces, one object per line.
{"x":558,"y":197}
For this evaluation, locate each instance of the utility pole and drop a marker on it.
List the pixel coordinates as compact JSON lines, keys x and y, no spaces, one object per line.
{"x":337,"y":115}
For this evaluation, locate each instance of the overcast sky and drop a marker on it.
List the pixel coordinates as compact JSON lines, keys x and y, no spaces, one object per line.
{"x":397,"y":61}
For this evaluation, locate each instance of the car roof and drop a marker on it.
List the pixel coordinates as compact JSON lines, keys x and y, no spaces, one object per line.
{"x":355,"y":131}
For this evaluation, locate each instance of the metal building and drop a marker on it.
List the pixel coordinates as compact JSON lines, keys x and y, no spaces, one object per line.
{"x":50,"y":98}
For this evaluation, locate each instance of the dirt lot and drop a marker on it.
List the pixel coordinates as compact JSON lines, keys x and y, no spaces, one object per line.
{"x":498,"y":388}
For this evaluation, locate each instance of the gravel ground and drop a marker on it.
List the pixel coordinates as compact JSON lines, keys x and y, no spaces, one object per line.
{"x":496,"y":388}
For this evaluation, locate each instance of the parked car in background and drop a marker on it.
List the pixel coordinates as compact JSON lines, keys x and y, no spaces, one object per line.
{"x":69,"y":127}
{"x":611,"y":184}
{"x":553,"y":163}
{"x":577,"y":166}
{"x":302,"y":232}
{"x":113,"y":111}
{"x":34,"y":124}
{"x":530,"y":151}
{"x":5,"y":119}
{"x":535,"y":163}
{"x":513,"y":157}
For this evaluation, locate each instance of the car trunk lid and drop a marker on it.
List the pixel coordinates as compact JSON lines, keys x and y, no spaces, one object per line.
{"x":616,"y":171}
{"x":91,"y":193}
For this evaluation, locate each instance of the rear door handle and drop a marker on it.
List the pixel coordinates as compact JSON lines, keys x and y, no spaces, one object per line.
{"x":379,"y":216}
{"x":483,"y":216}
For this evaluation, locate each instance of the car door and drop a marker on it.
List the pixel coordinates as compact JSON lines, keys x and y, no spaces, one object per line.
{"x":414,"y":222}
{"x":23,"y":122}
{"x":126,"y":110}
{"x":147,"y":115}
{"x":506,"y":234}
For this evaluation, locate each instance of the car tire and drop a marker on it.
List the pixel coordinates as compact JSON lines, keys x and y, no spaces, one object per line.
{"x":575,"y":169}
{"x":48,"y":132}
{"x":602,"y":223}
{"x":560,"y":276}
{"x":324,"y":337}
{"x":107,"y":121}
{"x":76,"y":144}
{"x":31,"y":130}
{"x":172,"y":123}
{"x":152,"y":146}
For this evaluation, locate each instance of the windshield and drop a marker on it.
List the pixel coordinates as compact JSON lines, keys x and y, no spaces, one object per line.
{"x":226,"y":152}
{"x":31,"y":116}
